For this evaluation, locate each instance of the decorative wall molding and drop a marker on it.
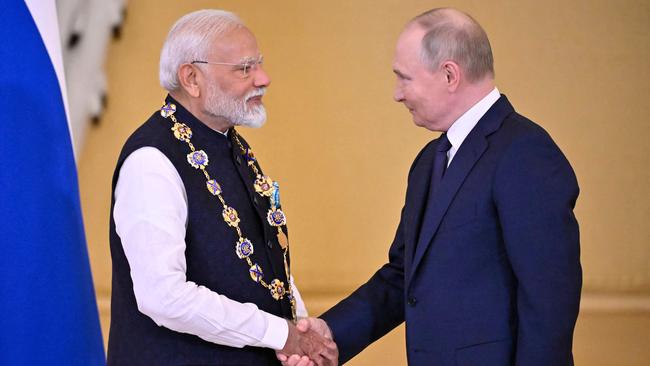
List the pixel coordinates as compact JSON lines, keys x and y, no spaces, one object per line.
{"x":615,"y":303}
{"x":628,"y":283}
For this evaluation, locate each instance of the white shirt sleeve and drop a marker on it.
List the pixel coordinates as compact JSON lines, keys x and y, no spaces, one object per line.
{"x":150,"y":218}
{"x":301,"y":310}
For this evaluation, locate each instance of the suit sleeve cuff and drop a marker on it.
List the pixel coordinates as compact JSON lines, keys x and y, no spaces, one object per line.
{"x":276,"y":334}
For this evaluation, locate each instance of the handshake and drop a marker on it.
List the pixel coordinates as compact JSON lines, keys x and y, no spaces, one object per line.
{"x":309,"y":343}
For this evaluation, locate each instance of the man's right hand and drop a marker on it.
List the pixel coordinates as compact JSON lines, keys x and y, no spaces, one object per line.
{"x":316,"y":324}
{"x":309,"y":342}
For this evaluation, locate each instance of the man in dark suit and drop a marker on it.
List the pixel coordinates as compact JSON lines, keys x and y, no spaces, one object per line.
{"x":484,"y":268}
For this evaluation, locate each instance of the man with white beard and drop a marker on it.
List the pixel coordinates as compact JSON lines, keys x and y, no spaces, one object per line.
{"x":201,"y":269}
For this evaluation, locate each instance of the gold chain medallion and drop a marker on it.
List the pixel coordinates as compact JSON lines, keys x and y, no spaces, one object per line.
{"x":263,"y":185}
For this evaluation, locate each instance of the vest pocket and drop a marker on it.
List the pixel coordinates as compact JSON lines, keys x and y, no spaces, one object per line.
{"x":493,"y":353}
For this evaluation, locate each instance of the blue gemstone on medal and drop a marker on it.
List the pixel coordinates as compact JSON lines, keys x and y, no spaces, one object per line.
{"x":198,"y":159}
{"x":256,"y":272}
{"x":213,"y":187}
{"x":249,"y":155}
{"x":276,"y":217}
{"x":167,"y":110}
{"x":244,"y":248}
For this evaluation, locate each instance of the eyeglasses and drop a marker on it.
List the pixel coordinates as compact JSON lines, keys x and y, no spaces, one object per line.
{"x":243,"y":68}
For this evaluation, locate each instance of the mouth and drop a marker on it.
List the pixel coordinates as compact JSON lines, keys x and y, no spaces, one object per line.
{"x":255,"y":100}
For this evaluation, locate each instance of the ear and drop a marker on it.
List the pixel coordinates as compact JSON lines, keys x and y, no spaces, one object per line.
{"x":187,"y":78}
{"x":452,"y":74}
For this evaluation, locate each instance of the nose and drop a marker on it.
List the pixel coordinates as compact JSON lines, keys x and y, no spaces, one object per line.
{"x":262,"y":79}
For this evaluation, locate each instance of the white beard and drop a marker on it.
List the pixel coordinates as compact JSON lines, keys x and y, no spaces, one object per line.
{"x":220,"y":104}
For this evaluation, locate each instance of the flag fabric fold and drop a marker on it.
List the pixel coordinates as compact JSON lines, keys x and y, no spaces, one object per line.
{"x":48,"y":312}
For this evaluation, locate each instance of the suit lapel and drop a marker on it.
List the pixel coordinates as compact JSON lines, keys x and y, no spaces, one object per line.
{"x":463,"y":162}
{"x":465,"y":159}
{"x":416,"y":200}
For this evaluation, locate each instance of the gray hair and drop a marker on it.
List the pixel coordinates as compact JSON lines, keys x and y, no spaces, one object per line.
{"x":454,"y":35}
{"x":190,"y":38}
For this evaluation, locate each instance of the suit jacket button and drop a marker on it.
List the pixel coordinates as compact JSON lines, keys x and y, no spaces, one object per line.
{"x":412,"y":301}
{"x":255,"y":199}
{"x":238,"y":160}
{"x":269,"y":244}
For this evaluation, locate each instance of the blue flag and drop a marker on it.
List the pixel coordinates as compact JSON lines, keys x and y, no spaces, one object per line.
{"x":48,"y":312}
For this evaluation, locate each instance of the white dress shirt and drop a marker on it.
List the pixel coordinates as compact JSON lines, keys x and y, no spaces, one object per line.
{"x":151,"y":218}
{"x":464,"y":125}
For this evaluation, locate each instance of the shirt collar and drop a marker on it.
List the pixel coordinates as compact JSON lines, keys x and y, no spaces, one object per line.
{"x":464,"y":125}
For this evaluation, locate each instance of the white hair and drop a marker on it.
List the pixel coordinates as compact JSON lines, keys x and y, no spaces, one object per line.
{"x":190,"y":38}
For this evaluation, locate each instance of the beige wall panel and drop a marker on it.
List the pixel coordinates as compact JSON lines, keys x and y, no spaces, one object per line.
{"x":341,"y":148}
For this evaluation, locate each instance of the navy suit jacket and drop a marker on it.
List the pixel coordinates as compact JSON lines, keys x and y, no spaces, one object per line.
{"x":497,"y":279}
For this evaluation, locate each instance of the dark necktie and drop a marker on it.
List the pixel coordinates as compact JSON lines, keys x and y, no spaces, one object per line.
{"x":439,"y":167}
{"x":439,"y":163}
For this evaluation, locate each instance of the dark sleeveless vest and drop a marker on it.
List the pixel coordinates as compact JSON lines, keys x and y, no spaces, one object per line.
{"x":134,"y":338}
